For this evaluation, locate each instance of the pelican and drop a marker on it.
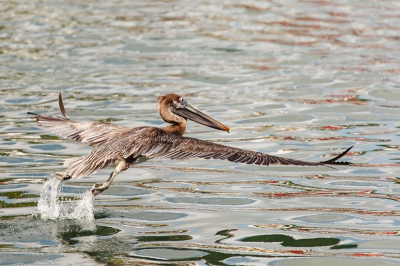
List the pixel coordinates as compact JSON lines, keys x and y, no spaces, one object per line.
{"x":119,"y":146}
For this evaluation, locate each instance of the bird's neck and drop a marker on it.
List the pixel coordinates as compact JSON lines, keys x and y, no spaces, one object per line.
{"x":176,"y":128}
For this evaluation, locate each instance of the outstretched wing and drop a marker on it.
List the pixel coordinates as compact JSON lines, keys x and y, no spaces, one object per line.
{"x":174,"y":147}
{"x":92,"y":134}
{"x":152,"y":142}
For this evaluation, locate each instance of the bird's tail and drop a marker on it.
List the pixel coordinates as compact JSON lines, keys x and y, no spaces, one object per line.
{"x":54,"y":123}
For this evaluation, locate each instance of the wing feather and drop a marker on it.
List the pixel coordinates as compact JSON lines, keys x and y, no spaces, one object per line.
{"x":184,"y":148}
{"x":179,"y":148}
{"x":153,"y":142}
{"x":92,"y":134}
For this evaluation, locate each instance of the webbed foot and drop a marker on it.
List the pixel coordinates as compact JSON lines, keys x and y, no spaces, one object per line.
{"x":99,"y":188}
{"x":62,"y":176}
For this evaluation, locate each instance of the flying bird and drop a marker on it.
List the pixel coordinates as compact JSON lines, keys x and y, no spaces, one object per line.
{"x":119,"y":146}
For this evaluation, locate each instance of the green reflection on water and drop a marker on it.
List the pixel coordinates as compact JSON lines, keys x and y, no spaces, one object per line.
{"x":288,"y":241}
{"x":6,"y":246}
{"x":50,"y":137}
{"x":217,"y":258}
{"x":4,"y":180}
{"x":12,"y":217}
{"x":17,"y":205}
{"x":101,"y":214}
{"x":7,"y":152}
{"x":164,"y":238}
{"x":226,"y":233}
{"x":106,"y":257}
{"x":344,"y":246}
{"x":17,"y":195}
{"x":211,"y":257}
{"x":77,"y":230}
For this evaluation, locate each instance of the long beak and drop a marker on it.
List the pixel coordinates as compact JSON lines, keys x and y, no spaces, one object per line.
{"x":188,"y":111}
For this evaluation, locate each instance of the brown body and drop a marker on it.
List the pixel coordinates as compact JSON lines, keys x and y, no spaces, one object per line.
{"x":122,"y":146}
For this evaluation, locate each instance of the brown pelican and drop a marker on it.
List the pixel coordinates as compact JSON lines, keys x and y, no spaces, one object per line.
{"x":122,"y":146}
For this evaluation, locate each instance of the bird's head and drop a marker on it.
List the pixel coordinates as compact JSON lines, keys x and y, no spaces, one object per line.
{"x":173,"y":107}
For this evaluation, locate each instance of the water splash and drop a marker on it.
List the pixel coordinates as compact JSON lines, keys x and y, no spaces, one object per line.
{"x":48,"y":204}
{"x":50,"y":207}
{"x":82,"y":209}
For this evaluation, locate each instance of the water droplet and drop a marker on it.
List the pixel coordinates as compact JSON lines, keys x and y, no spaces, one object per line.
{"x":49,"y":206}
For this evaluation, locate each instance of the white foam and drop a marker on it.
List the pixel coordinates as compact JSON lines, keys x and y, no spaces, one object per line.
{"x":50,"y":207}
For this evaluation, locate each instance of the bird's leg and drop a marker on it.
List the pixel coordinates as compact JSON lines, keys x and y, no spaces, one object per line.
{"x":122,"y":166}
{"x":100,"y":187}
{"x":63,"y":176}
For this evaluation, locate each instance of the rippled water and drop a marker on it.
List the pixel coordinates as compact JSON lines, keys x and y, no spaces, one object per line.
{"x":302,"y":79}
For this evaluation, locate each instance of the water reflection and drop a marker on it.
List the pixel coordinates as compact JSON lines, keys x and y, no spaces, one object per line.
{"x":288,"y":241}
{"x":72,"y":231}
{"x":300,"y":79}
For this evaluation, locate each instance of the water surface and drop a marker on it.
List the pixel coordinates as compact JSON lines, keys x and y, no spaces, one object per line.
{"x":301,"y":79}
